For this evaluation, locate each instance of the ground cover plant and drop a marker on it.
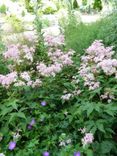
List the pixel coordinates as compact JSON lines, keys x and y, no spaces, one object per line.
{"x":58,"y":93}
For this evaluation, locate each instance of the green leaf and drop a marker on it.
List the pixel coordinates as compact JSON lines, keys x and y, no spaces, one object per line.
{"x":106,"y":147}
{"x":21,"y":115}
{"x":13,"y":115}
{"x":13,"y":103}
{"x":93,"y":130}
{"x":89,"y":111}
{"x":100,"y":126}
{"x":109,"y":112}
{"x":6,"y":110}
{"x":97,"y":108}
{"x":89,"y":152}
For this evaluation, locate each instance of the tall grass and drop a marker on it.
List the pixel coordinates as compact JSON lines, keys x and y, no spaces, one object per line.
{"x":79,"y":35}
{"x":108,"y":30}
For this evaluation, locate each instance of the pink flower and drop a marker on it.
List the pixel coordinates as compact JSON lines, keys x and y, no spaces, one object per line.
{"x":8,"y":79}
{"x":97,"y":58}
{"x":12,"y":52}
{"x":54,"y":41}
{"x":88,"y":139}
{"x":25,"y":75}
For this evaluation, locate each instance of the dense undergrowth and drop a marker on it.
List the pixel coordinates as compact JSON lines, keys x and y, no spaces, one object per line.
{"x":59,"y":102}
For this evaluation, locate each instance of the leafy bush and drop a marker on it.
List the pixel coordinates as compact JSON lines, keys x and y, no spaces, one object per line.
{"x":54,"y":101}
{"x":3,"y":9}
{"x":96,"y":93}
{"x":24,"y":108}
{"x":52,"y":117}
{"x":97,"y":5}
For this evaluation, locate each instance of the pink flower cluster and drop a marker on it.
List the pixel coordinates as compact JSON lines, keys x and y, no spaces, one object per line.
{"x":87,"y":139}
{"x":64,"y":58}
{"x":33,"y":84}
{"x":22,"y":57}
{"x":25,"y":76}
{"x":7,"y":80}
{"x":58,"y":58}
{"x":18,"y":53}
{"x":24,"y":79}
{"x":67,"y":96}
{"x":54,"y":41}
{"x":12,"y":52}
{"x":97,"y":59}
{"x":109,"y":66}
{"x":50,"y":70}
{"x":107,"y":96}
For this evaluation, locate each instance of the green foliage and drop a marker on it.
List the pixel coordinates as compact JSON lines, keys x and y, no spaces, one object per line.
{"x":28,"y":6}
{"x":49,"y":10}
{"x":3,"y":9}
{"x":60,"y":120}
{"x":16,"y":23}
{"x":84,"y":2}
{"x":97,"y":5}
{"x":108,"y":30}
{"x":79,"y":35}
{"x":75,"y":4}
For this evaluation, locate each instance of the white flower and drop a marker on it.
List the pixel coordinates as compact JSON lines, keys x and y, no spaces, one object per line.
{"x":62,"y":143}
{"x":1,"y":154}
{"x":66,"y":96}
{"x":68,"y":141}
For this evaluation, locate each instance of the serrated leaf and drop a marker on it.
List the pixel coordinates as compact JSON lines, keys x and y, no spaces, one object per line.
{"x":106,"y":147}
{"x":6,"y":110}
{"x":21,"y":115}
{"x":12,"y":117}
{"x":100,"y":126}
{"x":13,"y":103}
{"x":109,"y":112}
{"x":97,"y":108}
{"x":89,"y":111}
{"x":93,"y":130}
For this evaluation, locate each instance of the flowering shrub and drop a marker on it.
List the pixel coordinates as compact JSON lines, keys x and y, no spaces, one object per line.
{"x":43,"y":112}
{"x":29,"y":110}
{"x":95,"y":103}
{"x":20,"y":54}
{"x":52,"y":104}
{"x":26,"y":79}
